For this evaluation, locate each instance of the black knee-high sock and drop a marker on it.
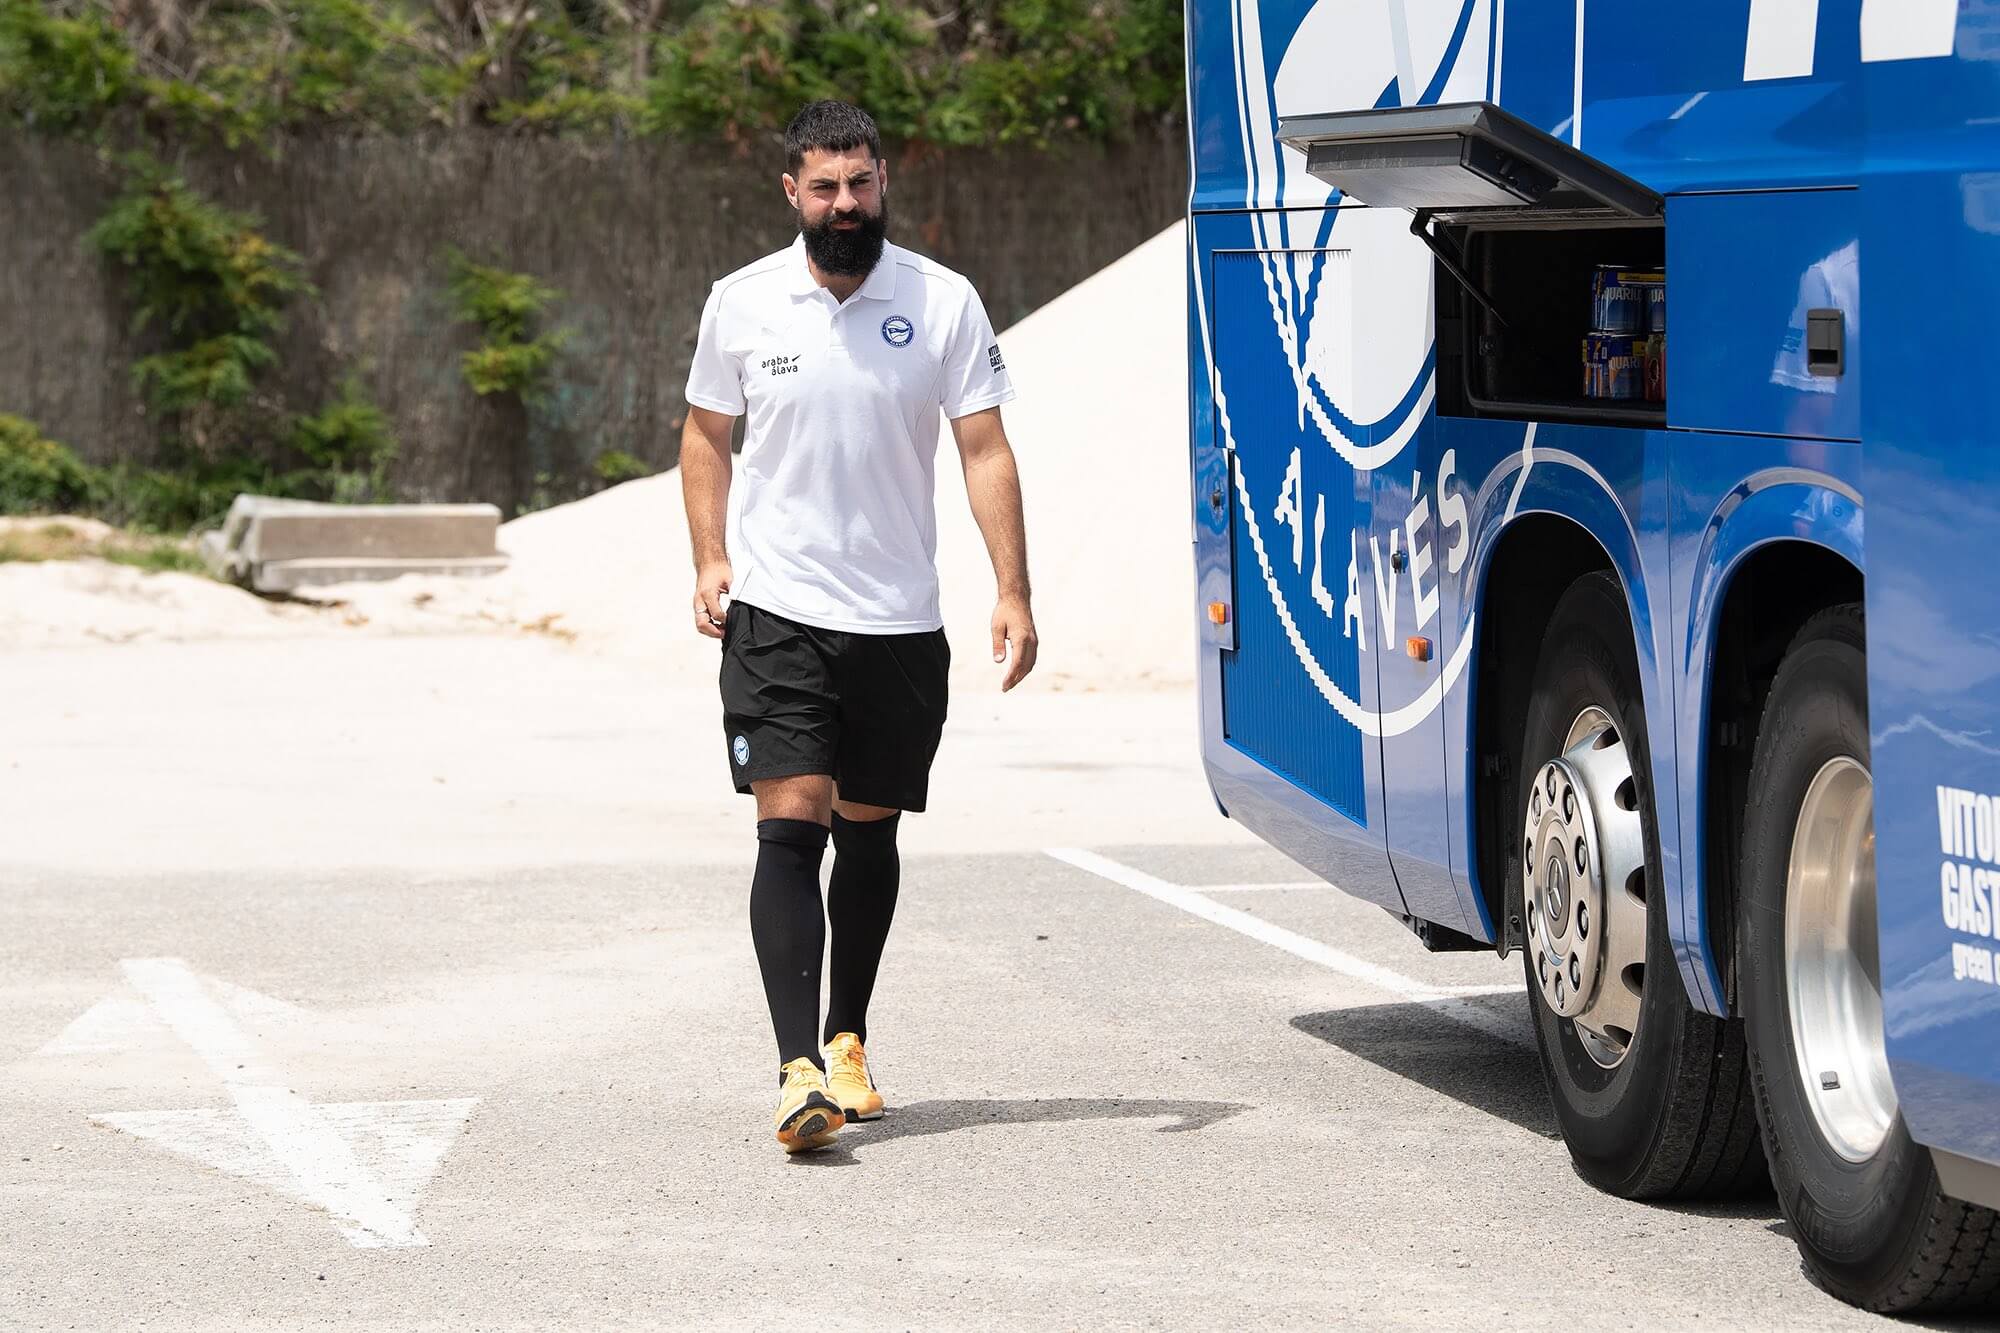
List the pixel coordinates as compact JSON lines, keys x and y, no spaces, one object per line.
{"x":860,"y":903}
{"x":788,"y":927}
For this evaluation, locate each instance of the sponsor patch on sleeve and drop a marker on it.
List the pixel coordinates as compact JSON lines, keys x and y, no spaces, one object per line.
{"x":993,"y":359}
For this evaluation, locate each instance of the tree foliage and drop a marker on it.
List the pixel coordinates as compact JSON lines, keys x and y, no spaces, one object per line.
{"x":242,"y":71}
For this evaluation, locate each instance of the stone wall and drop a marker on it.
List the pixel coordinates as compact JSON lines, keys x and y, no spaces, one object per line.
{"x":631,"y":233}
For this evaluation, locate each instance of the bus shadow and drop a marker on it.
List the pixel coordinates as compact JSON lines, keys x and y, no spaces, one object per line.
{"x":1417,"y":1042}
{"x":1503,"y":1078}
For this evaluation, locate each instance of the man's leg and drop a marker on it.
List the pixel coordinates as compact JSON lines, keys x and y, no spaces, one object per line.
{"x":778,"y":717}
{"x":860,"y":904}
{"x":787,"y":922}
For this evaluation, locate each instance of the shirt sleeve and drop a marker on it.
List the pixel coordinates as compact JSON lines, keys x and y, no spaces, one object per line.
{"x":974,"y":376}
{"x":715,"y":380}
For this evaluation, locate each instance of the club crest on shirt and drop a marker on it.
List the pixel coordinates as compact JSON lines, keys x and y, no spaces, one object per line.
{"x":897,"y":331}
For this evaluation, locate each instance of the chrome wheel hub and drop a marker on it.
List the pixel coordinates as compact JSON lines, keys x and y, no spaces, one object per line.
{"x":1833,"y":976}
{"x":1585,"y":865}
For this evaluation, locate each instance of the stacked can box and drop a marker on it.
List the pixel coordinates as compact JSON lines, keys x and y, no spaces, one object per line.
{"x":1624,"y":356}
{"x":1656,"y":342}
{"x":1612,"y":365}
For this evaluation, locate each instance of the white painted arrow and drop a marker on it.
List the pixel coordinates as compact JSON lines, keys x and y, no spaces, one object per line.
{"x":365,"y":1163}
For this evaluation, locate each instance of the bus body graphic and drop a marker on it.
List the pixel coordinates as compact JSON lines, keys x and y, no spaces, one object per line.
{"x":1400,"y":465}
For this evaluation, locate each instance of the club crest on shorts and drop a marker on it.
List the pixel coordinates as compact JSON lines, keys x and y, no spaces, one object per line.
{"x":740,"y":747}
{"x":897,"y":331}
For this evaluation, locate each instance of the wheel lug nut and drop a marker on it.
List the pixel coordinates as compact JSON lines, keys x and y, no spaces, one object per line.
{"x":1575,"y":976}
{"x":1559,"y":989}
{"x":1550,"y":784}
{"x":1582,"y":858}
{"x":1569,"y":805}
{"x":1582,"y":919}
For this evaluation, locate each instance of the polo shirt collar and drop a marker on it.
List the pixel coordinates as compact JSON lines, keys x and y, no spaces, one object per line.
{"x":880,"y":284}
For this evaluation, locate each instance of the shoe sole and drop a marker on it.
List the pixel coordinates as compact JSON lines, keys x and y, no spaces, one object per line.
{"x":812,"y":1125}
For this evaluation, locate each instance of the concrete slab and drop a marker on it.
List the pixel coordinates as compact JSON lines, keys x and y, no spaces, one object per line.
{"x":275,"y":545}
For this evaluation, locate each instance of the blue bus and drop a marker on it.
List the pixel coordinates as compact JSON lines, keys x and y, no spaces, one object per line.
{"x":1534,"y":432}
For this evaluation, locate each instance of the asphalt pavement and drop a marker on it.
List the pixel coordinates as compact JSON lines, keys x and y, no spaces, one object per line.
{"x":1129,"y":1086}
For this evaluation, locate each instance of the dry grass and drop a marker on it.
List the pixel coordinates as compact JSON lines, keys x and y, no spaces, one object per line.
{"x":56,"y":540}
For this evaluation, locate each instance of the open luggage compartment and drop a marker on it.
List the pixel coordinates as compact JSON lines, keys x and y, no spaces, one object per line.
{"x":1526,"y":361}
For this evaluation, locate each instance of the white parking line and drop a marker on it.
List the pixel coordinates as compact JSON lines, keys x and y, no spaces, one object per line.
{"x":1259,"y":888}
{"x":1452,"y":1002}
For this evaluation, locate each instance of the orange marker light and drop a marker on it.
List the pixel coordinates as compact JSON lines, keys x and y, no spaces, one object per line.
{"x":1218,"y":613}
{"x":1418,"y":647}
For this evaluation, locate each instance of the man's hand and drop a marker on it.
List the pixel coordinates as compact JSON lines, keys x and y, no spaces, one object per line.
{"x":709,"y":612}
{"x":1014,"y":623}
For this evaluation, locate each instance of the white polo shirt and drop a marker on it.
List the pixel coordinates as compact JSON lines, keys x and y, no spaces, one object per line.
{"x":832,"y":519}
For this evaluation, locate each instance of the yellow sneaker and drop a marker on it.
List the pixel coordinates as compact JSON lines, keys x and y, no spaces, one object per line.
{"x":807,"y":1117}
{"x":848,"y":1080}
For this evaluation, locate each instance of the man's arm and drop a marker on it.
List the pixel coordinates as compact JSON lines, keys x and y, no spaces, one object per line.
{"x":705,"y":486}
{"x":993,"y":487}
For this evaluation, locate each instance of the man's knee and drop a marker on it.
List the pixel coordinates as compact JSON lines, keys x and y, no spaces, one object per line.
{"x":854,"y":812}
{"x":807,"y":796}
{"x":860,"y":812}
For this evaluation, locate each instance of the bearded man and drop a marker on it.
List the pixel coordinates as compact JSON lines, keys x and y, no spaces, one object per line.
{"x":816,"y":568}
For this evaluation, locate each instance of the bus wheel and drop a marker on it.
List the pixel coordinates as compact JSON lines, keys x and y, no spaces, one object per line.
{"x":1650,"y":1093}
{"x":1861,"y":1196}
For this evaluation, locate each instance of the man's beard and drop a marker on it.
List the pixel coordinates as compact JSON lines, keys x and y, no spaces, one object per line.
{"x":846,"y":254}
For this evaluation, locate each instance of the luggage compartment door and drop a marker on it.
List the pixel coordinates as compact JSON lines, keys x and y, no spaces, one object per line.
{"x":1298,"y":691}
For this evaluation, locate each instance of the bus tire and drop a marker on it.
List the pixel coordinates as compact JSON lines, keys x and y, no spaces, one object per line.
{"x":1667,"y":1114}
{"x":1861,"y":1196}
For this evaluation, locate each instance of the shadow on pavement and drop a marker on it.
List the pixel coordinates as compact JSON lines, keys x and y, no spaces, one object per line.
{"x":1501,"y":1078}
{"x":944,"y":1116}
{"x":1416,"y":1042}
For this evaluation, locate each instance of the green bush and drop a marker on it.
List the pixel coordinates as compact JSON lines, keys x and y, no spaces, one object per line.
{"x":214,"y":284}
{"x":60,"y":73}
{"x":198,"y":268}
{"x":350,"y":434}
{"x":188,"y":494}
{"x":506,"y":307}
{"x":615,"y":465}
{"x":351,"y":444}
{"x":40,"y":476}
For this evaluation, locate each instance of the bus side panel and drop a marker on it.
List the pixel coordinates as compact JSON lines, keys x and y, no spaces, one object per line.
{"x":1931,"y":466}
{"x":1733,"y":495}
{"x":1289,"y":736}
{"x":1610,"y":483}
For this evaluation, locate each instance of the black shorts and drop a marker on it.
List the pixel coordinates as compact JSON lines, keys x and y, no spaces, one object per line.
{"x":865,"y":709}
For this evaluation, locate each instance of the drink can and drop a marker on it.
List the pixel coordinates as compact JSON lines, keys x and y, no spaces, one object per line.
{"x":1613,"y":366}
{"x":1618,"y":299}
{"x":1656,"y":309}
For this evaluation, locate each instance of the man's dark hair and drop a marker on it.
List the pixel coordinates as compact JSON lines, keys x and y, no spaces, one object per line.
{"x":832,"y":127}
